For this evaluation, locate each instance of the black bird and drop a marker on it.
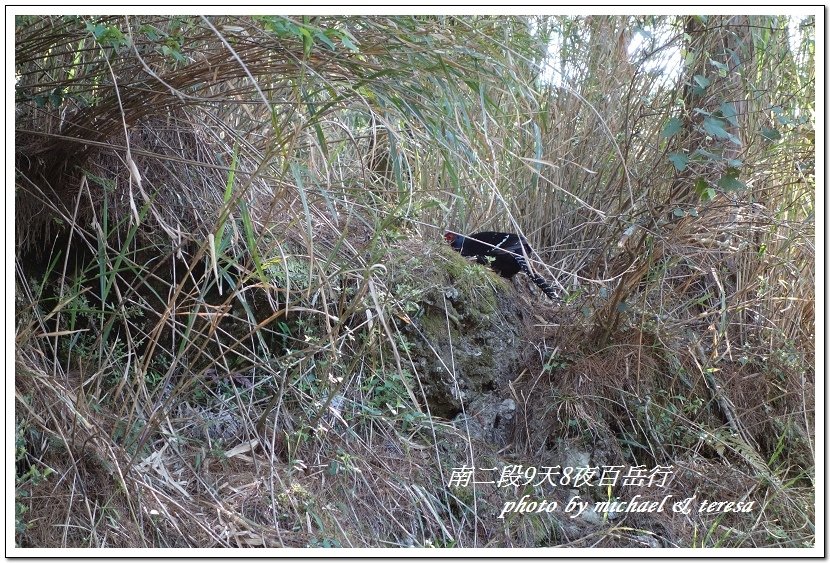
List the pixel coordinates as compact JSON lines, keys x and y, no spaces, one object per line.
{"x":504,"y":252}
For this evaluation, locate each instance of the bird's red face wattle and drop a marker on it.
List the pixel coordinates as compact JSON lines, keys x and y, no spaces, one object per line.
{"x":449,"y":237}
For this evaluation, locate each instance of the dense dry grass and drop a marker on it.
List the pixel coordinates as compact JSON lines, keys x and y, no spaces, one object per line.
{"x":228,"y":259}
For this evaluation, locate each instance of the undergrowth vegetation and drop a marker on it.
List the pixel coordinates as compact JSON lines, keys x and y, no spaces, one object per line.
{"x":237,"y":323}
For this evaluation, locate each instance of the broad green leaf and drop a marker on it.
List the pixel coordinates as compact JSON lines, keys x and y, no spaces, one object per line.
{"x":348,"y":42}
{"x":679,"y":160}
{"x":173,"y":53}
{"x":723,"y":69}
{"x":152,"y":33}
{"x":324,"y":39}
{"x":96,"y":29}
{"x":729,"y":112}
{"x":704,"y":190}
{"x":770,"y":134}
{"x":689,"y":59}
{"x":780,"y":117}
{"x":672,"y":127}
{"x":56,"y":98}
{"x":729,"y":182}
{"x":702,"y":81}
{"x":710,"y":156}
{"x":715,"y":127}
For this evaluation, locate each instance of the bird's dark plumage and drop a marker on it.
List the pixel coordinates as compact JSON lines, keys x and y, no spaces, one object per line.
{"x":504,"y":252}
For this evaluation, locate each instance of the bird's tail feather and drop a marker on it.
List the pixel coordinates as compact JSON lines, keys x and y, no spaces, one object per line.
{"x":537,"y":279}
